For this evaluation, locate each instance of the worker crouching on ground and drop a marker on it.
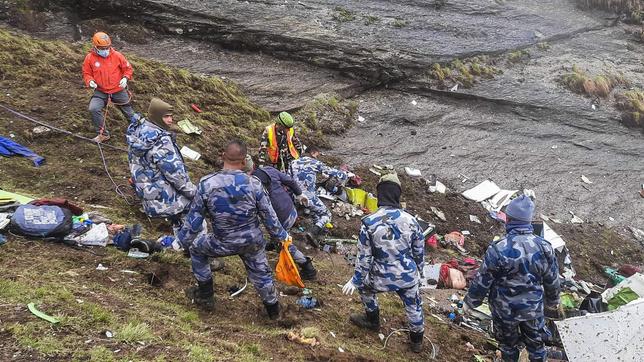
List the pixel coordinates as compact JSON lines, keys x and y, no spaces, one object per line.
{"x":235,"y":203}
{"x":304,"y":170}
{"x":281,"y":188}
{"x":518,"y":275}
{"x":158,"y":172}
{"x":106,"y":72}
{"x":390,"y":258}
{"x":279,"y":144}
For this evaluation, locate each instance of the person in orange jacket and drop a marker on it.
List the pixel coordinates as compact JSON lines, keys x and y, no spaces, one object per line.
{"x":107,"y":72}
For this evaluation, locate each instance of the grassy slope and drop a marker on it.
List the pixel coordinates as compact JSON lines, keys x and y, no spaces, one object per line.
{"x":42,"y":78}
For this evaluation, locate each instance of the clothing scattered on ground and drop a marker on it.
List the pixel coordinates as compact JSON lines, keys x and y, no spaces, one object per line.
{"x":10,"y":148}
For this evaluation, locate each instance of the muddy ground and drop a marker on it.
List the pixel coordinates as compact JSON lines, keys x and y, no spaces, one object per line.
{"x":521,"y":129}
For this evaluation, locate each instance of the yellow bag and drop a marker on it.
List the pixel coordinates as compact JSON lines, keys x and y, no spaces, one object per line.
{"x":372,"y":203}
{"x":286,"y":270}
{"x":357,"y":196}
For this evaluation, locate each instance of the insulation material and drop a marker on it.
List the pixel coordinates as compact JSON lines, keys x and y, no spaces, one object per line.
{"x":482,"y":191}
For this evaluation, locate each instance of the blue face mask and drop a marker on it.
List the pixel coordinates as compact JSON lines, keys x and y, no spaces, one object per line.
{"x":103,"y":52}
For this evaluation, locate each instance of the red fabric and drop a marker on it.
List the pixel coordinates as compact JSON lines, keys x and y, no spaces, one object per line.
{"x":628,"y":270}
{"x":432,"y":241}
{"x":443,"y":278}
{"x":106,"y":72}
{"x":76,"y":210}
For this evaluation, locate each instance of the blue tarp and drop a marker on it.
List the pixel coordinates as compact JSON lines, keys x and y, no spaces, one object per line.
{"x":10,"y":148}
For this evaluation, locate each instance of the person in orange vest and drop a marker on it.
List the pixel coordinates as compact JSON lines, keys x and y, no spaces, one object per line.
{"x":279,"y":145}
{"x":106,"y":72}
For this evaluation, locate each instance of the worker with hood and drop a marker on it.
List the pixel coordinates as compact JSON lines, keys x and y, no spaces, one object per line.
{"x":281,"y":189}
{"x":390,"y":259}
{"x":158,"y":171}
{"x":520,"y":277}
{"x":106,"y":72}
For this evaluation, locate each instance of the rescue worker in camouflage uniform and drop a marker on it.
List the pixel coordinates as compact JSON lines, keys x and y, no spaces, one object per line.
{"x":279,"y":144}
{"x":158,"y":172}
{"x":520,"y":277}
{"x":235,"y":203}
{"x":281,"y":188}
{"x":390,"y":259}
{"x":304,"y":170}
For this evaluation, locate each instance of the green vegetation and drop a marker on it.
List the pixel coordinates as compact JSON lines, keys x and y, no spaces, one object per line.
{"x":633,"y":9}
{"x":370,"y":20}
{"x":197,"y":353}
{"x":343,"y":15}
{"x":326,"y":115}
{"x":543,"y":46}
{"x":631,"y":103}
{"x":400,"y":23}
{"x":602,"y":85}
{"x":518,"y":56}
{"x":134,"y":332}
{"x":465,"y":72}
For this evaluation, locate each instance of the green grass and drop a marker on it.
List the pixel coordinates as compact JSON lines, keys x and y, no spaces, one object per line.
{"x":134,"y":332}
{"x":35,"y":336}
{"x":197,"y":353}
{"x":343,"y":15}
{"x":631,"y":103}
{"x":579,"y":81}
{"x":371,"y":19}
{"x":633,"y":9}
{"x":400,"y":23}
{"x":101,"y":354}
{"x":518,"y":56}
{"x":466,"y":72}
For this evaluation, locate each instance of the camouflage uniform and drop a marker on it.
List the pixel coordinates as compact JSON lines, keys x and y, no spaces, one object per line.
{"x":304,"y":170}
{"x":158,"y":172}
{"x":519,"y":273}
{"x":235,"y":202}
{"x":390,"y":255}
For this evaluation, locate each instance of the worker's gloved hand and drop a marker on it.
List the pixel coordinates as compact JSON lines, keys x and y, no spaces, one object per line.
{"x":302,"y":200}
{"x":554,"y":312}
{"x":123,"y":83}
{"x":92,"y":84}
{"x":349,"y":288}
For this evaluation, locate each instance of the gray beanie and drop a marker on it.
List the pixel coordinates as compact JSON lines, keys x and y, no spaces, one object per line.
{"x":521,"y":208}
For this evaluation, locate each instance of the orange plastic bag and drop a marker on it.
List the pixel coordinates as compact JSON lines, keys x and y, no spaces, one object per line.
{"x":286,"y":270}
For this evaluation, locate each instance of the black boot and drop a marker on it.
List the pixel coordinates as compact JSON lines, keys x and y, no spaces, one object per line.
{"x":368,"y":320}
{"x":313,"y":235}
{"x":273,"y":310}
{"x":202,"y":295}
{"x":307,"y":271}
{"x":416,"y":340}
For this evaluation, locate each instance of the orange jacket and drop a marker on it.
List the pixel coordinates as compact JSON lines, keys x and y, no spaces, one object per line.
{"x":106,"y":72}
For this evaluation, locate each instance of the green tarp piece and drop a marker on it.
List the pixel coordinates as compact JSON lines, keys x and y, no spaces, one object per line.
{"x":624,"y":296}
{"x":39,"y":314}
{"x":189,"y":128}
{"x":567,"y":301}
{"x":20,"y":198}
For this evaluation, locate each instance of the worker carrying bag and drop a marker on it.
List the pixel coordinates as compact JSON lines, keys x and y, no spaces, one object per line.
{"x":43,"y":221}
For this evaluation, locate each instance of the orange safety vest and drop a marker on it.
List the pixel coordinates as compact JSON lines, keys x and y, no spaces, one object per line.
{"x":273,"y":148}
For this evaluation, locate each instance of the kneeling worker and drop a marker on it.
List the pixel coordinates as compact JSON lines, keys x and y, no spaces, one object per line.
{"x":390,"y":256}
{"x":235,"y":203}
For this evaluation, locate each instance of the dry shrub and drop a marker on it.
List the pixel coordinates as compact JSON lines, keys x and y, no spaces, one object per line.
{"x":632,"y":105}
{"x":580,"y":82}
{"x":632,"y":8}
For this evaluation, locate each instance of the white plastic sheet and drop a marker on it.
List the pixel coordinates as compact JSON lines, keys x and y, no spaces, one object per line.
{"x":611,"y":336}
{"x":96,"y":236}
{"x":555,"y":240}
{"x":482,"y":191}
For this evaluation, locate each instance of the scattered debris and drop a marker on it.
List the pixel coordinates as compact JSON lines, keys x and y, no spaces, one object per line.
{"x":474,"y":218}
{"x":575,"y":219}
{"x":188,"y":128}
{"x":294,"y":337}
{"x":413,"y":172}
{"x":240,"y":290}
{"x":585,"y":179}
{"x":135,"y":253}
{"x":414,"y":102}
{"x":308,"y":302}
{"x":40,"y":130}
{"x":41,"y":315}
{"x":438,"y":213}
{"x":101,"y":267}
{"x":196,"y":108}
{"x":482,"y":191}
{"x":189,"y":153}
{"x":109,"y":334}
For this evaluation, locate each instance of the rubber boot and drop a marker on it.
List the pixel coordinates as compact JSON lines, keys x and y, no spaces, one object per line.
{"x":202,"y":295}
{"x":368,"y":320}
{"x":307,"y":271}
{"x":273,"y":310}
{"x":313,"y":235}
{"x":416,"y":340}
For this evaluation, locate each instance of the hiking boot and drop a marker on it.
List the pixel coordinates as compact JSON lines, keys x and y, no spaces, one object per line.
{"x":273,"y":310}
{"x":217,"y":264}
{"x":416,"y":340}
{"x":202,"y":295}
{"x":307,"y":271}
{"x":101,"y":138}
{"x":368,"y":320}
{"x":313,"y":235}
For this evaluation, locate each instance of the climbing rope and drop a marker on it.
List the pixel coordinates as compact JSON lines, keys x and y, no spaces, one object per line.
{"x":117,"y":187}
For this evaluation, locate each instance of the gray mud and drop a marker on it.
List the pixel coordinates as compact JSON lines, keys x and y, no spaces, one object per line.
{"x":521,"y":129}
